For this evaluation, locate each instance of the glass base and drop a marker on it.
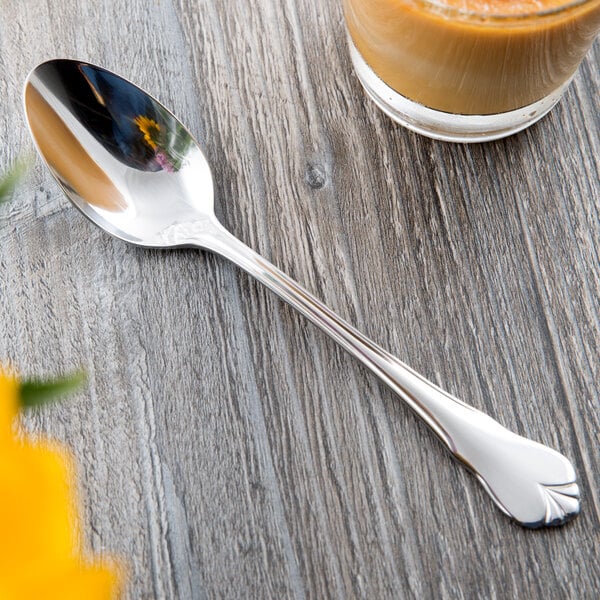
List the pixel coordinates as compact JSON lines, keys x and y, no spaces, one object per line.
{"x":445,"y":126}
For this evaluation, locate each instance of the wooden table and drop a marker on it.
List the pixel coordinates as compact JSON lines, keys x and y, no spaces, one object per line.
{"x":226,"y":448}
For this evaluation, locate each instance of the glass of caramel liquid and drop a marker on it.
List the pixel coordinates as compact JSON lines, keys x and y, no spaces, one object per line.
{"x":468,"y":70}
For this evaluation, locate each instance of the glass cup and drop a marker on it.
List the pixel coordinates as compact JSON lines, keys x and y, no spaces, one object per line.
{"x":468,"y":70}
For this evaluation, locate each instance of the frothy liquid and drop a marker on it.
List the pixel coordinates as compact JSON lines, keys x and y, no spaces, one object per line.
{"x":473,"y":56}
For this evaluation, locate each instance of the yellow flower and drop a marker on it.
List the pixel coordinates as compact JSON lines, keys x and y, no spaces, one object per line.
{"x":40,"y":536}
{"x":150,"y":128}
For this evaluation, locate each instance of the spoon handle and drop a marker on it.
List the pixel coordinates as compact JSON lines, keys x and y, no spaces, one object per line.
{"x":531,"y":483}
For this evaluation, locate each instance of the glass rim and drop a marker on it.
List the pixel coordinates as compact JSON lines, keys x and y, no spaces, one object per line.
{"x":442,"y":8}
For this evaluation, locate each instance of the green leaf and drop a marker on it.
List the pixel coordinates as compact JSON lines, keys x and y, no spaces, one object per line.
{"x":9,"y":181}
{"x":35,"y":392}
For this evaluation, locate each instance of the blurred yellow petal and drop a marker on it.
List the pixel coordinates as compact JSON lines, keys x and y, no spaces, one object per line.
{"x":37,"y":512}
{"x":9,"y":405}
{"x":40,"y":537}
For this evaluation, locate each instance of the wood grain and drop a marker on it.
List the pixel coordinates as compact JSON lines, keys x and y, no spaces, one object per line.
{"x":227,"y":449}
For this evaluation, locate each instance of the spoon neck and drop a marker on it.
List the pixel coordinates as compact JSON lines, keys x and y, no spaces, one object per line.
{"x":210,"y":235}
{"x":426,"y":399}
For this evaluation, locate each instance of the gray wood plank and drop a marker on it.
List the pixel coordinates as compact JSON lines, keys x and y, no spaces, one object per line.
{"x":227,"y":449}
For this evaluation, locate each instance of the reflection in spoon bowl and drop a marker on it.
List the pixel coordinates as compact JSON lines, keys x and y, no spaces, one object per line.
{"x":68,"y":156}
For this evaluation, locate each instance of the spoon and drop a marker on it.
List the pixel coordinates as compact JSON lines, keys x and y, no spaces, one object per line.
{"x":132,"y":168}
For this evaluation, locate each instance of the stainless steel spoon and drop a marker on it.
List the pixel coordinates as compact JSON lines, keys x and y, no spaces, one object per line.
{"x":131,"y":167}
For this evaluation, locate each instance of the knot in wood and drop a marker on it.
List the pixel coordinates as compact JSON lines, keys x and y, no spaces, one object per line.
{"x":315,"y":177}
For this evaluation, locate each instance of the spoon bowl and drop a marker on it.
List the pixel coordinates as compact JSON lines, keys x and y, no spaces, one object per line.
{"x":131,"y":167}
{"x":121,"y":157}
